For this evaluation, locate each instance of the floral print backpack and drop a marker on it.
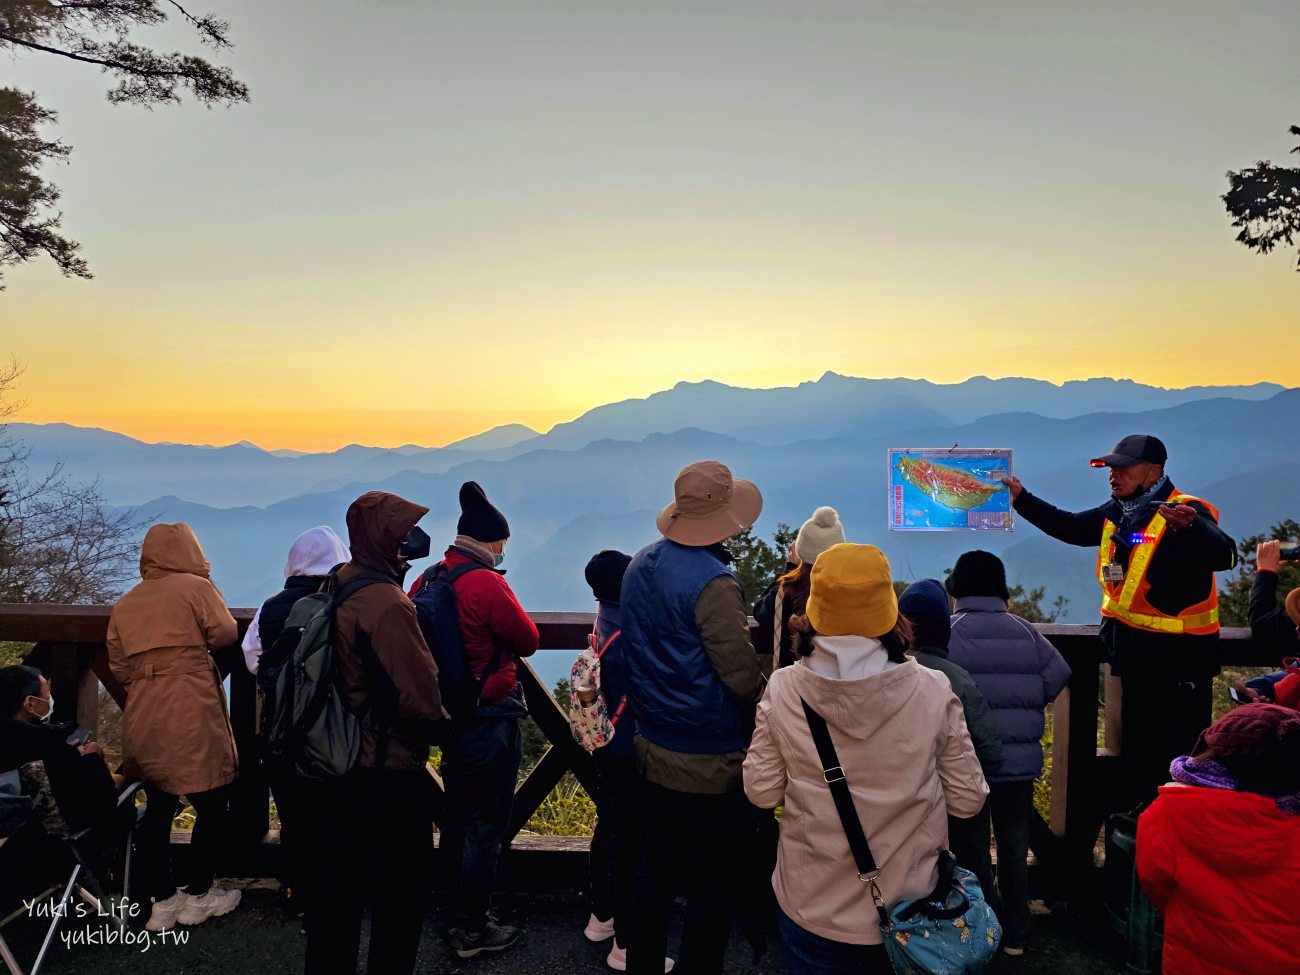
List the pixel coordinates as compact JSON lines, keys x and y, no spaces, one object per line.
{"x":590,"y":718}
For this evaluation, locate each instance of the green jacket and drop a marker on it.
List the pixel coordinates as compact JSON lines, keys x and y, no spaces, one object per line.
{"x":979,"y":718}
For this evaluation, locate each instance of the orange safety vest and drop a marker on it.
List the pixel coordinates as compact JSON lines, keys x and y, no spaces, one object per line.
{"x":1127,"y":600}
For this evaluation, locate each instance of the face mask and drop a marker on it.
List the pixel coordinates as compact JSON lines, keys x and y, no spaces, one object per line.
{"x":498,"y":558}
{"x":415,"y":545}
{"x":49,"y":709}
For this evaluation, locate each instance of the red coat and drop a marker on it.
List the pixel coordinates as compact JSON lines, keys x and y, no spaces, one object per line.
{"x":490,"y":613}
{"x":1224,"y":867}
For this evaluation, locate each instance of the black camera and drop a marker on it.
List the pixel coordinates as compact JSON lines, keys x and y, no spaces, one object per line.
{"x":1289,"y":553}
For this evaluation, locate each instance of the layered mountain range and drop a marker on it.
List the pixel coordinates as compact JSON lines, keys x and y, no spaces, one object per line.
{"x":597,"y":481}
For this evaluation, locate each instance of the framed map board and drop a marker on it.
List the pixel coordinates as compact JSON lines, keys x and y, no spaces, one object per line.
{"x":949,"y":489}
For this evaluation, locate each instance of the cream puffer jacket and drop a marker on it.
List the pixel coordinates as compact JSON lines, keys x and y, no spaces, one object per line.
{"x":902,"y":741}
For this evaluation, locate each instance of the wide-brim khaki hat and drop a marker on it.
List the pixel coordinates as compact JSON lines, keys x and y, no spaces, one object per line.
{"x":709,"y":505}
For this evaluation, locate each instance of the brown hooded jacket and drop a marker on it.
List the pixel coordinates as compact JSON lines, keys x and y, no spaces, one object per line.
{"x":175,"y":729}
{"x":378,"y":625}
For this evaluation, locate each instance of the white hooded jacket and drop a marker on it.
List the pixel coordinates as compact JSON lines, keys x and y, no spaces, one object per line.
{"x":313,"y":553}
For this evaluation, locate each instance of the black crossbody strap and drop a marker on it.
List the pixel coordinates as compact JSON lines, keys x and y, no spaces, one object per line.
{"x":868,"y":872}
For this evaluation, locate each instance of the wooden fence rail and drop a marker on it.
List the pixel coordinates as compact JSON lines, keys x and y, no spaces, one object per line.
{"x":70,"y":650}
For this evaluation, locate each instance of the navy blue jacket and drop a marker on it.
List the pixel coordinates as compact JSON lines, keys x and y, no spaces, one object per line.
{"x":613,"y":678}
{"x":680,"y":702}
{"x":1019,"y":673}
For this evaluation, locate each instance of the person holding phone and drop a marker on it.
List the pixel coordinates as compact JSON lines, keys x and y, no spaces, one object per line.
{"x":1157,"y":552}
{"x":79,"y":779}
{"x":1275,"y":627}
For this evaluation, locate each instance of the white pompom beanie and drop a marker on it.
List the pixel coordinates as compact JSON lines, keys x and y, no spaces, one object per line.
{"x":818,"y":533}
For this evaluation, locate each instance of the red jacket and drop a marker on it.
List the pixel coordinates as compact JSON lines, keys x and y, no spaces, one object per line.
{"x":1224,"y":867}
{"x":490,"y":614}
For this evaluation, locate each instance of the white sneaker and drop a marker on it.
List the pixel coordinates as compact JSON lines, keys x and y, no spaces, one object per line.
{"x":162,"y":917}
{"x":215,"y":903}
{"x":598,"y":930}
{"x":617,"y":960}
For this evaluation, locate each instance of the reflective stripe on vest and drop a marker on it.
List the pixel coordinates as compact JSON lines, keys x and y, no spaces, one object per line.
{"x":1129,"y":603}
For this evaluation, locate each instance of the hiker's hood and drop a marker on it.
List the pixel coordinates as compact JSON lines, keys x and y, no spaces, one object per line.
{"x":847,"y":657}
{"x":856,"y":706}
{"x":377,"y":524}
{"x":172,"y":548}
{"x":315,"y":552}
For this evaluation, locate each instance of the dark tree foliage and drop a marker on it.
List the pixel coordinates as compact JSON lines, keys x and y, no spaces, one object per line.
{"x":1029,"y":605}
{"x":756,"y":561}
{"x":96,"y":32}
{"x":28,"y":223}
{"x":1264,"y":202}
{"x":1234,"y":597}
{"x":59,"y":543}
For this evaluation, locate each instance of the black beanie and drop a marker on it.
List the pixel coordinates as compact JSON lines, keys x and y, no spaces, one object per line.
{"x":978,"y":573}
{"x":478,"y":518}
{"x":605,"y":574}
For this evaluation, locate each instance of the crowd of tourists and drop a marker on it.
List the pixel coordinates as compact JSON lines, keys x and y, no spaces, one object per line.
{"x":865,"y":749}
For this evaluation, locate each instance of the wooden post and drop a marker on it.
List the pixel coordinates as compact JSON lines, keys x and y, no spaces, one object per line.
{"x":1060,"y":778}
{"x":58,"y":662}
{"x":87,"y":689}
{"x":250,"y":805}
{"x":1082,"y":801}
{"x":1114,"y":712}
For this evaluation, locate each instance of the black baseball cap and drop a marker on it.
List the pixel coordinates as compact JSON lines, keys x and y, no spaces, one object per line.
{"x":1136,"y":448}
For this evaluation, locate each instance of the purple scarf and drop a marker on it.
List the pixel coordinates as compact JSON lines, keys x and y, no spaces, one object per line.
{"x":1209,"y":774}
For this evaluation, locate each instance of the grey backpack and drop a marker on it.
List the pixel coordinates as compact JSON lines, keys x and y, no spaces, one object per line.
{"x":311,"y":728}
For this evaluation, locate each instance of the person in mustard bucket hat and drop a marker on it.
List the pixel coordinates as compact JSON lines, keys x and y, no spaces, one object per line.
{"x":901,"y":739}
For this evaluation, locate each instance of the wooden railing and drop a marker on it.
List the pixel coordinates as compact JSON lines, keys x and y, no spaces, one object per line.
{"x":70,"y":650}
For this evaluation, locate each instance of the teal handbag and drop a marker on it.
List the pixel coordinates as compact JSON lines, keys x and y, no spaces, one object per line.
{"x":952,"y":930}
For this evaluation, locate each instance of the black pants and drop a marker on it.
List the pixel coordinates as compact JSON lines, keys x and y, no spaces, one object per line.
{"x":153,"y":840}
{"x":805,"y":953}
{"x":480,"y":764}
{"x":1163,"y":713}
{"x":300,"y":804}
{"x":379,"y":853}
{"x":969,"y":841}
{"x":1010,"y":804}
{"x":616,"y":843}
{"x":693,"y":844}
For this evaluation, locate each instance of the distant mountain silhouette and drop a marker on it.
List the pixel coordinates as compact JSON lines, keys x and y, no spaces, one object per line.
{"x":563,"y":505}
{"x":834,"y":406}
{"x":838,"y":405}
{"x":503,"y":436}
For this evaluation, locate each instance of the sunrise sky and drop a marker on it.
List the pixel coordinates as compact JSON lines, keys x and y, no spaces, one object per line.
{"x":436,"y":217}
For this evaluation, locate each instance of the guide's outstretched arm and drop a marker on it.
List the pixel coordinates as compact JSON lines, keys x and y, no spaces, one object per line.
{"x":1071,"y":527}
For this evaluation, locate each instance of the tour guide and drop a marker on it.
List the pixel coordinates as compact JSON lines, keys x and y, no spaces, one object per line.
{"x":1158,"y":550}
